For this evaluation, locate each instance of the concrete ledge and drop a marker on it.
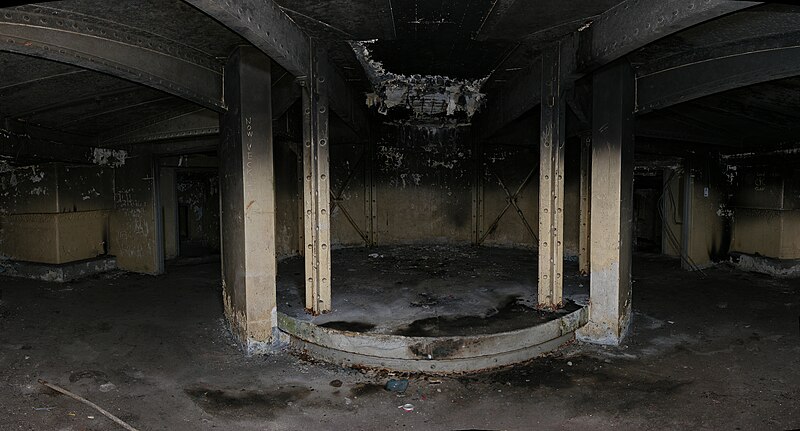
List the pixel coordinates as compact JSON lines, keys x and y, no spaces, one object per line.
{"x":58,"y":273}
{"x":431,"y":354}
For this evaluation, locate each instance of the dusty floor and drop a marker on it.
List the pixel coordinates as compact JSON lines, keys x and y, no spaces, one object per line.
{"x":429,"y":290}
{"x":721,"y":353}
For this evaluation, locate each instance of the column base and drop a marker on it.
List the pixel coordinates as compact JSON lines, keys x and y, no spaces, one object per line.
{"x":278,"y":342}
{"x":605,"y":333}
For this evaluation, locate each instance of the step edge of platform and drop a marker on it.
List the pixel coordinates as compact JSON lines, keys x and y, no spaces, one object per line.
{"x":431,"y":348}
{"x":441,"y":366}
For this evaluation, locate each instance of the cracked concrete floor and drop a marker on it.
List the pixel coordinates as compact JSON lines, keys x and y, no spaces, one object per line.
{"x":718,"y":353}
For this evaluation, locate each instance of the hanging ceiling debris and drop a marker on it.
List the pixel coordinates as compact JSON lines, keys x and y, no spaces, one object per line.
{"x":419,"y":98}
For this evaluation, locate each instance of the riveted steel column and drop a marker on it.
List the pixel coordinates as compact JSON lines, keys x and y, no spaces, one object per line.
{"x":477,"y":190}
{"x":316,"y":188}
{"x":370,"y":189}
{"x":551,"y":179}
{"x":611,"y":204}
{"x":247,"y":184}
{"x":585,"y":204}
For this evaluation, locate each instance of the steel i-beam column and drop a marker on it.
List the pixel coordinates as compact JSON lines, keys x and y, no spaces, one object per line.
{"x":611,"y":204}
{"x":551,"y":179}
{"x":316,"y":189}
{"x":584,"y":234}
{"x":248,"y":201}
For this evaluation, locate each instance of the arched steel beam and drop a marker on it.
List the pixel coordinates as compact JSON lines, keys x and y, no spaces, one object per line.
{"x":714,"y":75}
{"x":268,"y":28}
{"x":190,"y":121}
{"x":115,"y":49}
{"x":613,"y":34}
{"x":184,"y":122}
{"x":633,"y":24}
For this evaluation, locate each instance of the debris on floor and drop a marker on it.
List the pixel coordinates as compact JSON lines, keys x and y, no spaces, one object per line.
{"x":407,"y":407}
{"x":397,"y":385}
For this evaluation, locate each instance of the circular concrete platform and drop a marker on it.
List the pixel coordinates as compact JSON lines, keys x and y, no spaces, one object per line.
{"x":455,"y":354}
{"x":430,"y":309}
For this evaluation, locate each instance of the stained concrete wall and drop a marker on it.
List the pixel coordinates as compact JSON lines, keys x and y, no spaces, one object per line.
{"x":672,"y":214}
{"x":707,"y":240}
{"x":55,"y":213}
{"x":29,"y":237}
{"x":287,"y":211}
{"x":198,"y":191}
{"x":790,"y":241}
{"x":766,"y":211}
{"x":706,"y":231}
{"x":424,"y":185}
{"x":169,"y":211}
{"x":757,"y":231}
{"x":133,"y":229}
{"x":30,"y":190}
{"x":348,"y":181}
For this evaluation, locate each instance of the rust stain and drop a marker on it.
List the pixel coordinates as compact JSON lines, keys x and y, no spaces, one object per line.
{"x":249,"y":205}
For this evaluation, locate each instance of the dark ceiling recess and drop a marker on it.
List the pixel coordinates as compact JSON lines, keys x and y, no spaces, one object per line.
{"x":445,"y":29}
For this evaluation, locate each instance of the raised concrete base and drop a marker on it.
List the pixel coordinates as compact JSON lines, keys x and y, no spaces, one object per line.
{"x":58,"y":273}
{"x":437,"y":355}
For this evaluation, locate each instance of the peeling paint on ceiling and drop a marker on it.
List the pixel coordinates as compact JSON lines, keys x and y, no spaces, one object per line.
{"x":422,"y":97}
{"x":108,"y":157}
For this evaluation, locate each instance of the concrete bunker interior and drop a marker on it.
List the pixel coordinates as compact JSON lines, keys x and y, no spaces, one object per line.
{"x":421,"y":188}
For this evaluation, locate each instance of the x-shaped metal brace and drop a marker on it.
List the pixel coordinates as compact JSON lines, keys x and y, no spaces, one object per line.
{"x":511,"y":200}
{"x":336,"y":199}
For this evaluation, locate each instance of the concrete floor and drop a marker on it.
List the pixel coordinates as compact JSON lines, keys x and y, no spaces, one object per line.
{"x":718,"y":353}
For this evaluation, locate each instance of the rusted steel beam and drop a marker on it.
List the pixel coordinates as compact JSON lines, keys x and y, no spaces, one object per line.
{"x":113,"y":48}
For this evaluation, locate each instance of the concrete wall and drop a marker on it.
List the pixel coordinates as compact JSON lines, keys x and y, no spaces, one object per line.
{"x":55,"y":213}
{"x":672,"y":210}
{"x":288,"y":213}
{"x":708,"y":239}
{"x":424,"y":185}
{"x":169,"y":211}
{"x":348,"y":179}
{"x":705,"y":233}
{"x":766,"y":208}
{"x":30,"y":190}
{"x":198,"y":191}
{"x":424,"y":188}
{"x":510,"y":164}
{"x":133,"y":229}
{"x":757,"y":231}
{"x":790,"y":241}
{"x":29,"y":237}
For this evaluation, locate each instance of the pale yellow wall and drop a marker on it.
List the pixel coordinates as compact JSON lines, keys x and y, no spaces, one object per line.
{"x":757,"y":231}
{"x":707,"y":225}
{"x":673,"y":215}
{"x":132,"y":224}
{"x":30,"y":237}
{"x":790,"y":237}
{"x":54,"y":213}
{"x":81,"y":235}
{"x":765,"y":221}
